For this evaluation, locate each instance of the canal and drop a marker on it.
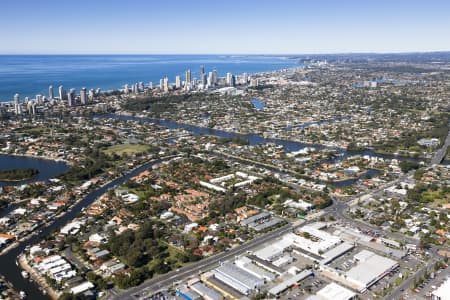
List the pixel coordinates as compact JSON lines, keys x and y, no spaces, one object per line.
{"x":12,"y":272}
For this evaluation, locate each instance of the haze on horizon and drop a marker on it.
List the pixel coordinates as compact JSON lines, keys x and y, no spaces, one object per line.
{"x":217,"y":27}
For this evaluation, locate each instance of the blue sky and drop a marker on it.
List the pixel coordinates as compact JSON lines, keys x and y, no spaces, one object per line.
{"x":223,"y":26}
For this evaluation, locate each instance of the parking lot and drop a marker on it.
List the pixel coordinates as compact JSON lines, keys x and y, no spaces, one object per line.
{"x":305,"y":289}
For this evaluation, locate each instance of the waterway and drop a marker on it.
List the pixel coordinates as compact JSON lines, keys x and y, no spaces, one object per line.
{"x":8,"y":266}
{"x":254,"y":139}
{"x":47,"y":168}
{"x":258,"y":104}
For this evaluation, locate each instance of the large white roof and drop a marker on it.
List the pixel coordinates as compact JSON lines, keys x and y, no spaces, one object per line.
{"x":443,"y":292}
{"x":370,"y":267}
{"x":334,"y":291}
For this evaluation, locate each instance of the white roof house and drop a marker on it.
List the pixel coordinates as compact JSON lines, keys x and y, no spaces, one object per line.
{"x":83,"y":287}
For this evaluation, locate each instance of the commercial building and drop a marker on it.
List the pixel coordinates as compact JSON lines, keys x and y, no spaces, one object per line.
{"x":62,"y":93}
{"x":83,"y":96}
{"x":187,"y":82}
{"x":369,"y":269}
{"x":17,"y":107}
{"x":71,"y":97}
{"x":51,"y":94}
{"x":166,"y":84}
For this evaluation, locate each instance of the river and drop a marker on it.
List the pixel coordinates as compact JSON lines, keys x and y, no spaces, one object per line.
{"x":8,"y":266}
{"x":254,"y":139}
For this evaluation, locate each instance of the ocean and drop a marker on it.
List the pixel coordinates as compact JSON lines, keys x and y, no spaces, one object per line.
{"x":29,"y":75}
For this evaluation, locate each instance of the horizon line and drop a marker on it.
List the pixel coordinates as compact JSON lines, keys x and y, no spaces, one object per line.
{"x":261,"y":54}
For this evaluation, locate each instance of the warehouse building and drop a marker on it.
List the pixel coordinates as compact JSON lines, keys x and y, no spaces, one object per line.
{"x":320,"y":243}
{"x":289,"y":282}
{"x":267,"y":265}
{"x":238,"y":278}
{"x":206,"y":292}
{"x":370,"y":268}
{"x":333,"y":291}
{"x":246,"y":264}
{"x":273,"y":251}
{"x":209,"y":279}
{"x":188,"y":294}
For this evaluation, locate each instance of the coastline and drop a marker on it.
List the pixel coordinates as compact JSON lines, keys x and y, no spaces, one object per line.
{"x":149,"y":70}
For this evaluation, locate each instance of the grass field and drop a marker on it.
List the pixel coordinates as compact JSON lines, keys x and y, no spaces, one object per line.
{"x":440,"y":202}
{"x":129,"y":149}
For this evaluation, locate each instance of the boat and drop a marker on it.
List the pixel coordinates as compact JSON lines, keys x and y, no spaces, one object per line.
{"x":25,"y":274}
{"x":22,"y":295}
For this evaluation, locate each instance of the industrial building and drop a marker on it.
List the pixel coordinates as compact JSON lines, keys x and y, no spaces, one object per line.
{"x":206,"y":292}
{"x":238,"y":278}
{"x":289,"y":282}
{"x":321,"y":247}
{"x":267,"y":265}
{"x":247,"y":264}
{"x":209,"y":279}
{"x":321,"y":243}
{"x":188,"y":294}
{"x":262,"y":221}
{"x":273,"y":251}
{"x":333,"y":291}
{"x":369,"y":269}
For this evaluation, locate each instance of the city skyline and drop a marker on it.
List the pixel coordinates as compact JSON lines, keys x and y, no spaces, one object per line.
{"x":251,"y":27}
